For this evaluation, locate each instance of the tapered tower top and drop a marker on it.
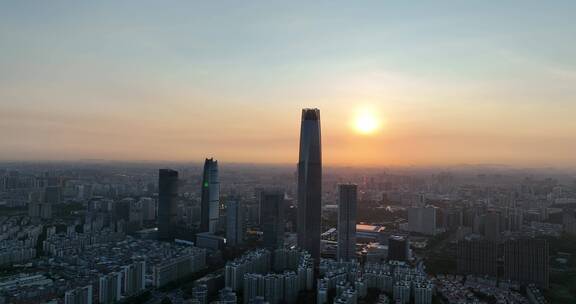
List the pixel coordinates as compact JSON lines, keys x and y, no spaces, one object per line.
{"x":210,"y":160}
{"x":168,"y":173}
{"x":310,"y":114}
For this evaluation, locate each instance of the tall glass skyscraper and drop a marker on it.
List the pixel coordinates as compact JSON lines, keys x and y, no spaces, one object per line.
{"x":234,"y":222}
{"x":167,"y":205}
{"x":310,"y":183}
{"x":209,"y":208}
{"x":347,"y":221}
{"x":272,"y":218}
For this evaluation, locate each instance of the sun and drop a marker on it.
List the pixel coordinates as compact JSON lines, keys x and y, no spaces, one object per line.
{"x":366,"y":122}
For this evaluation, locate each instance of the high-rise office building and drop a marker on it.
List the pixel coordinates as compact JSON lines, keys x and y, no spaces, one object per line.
{"x":167,"y":205}
{"x":122,"y":209}
{"x":347,"y":221}
{"x":526,"y":261}
{"x":452,"y":219}
{"x":39,"y":210}
{"x":514,"y":219}
{"x":310,"y":183}
{"x":42,"y":202}
{"x":272,"y":218}
{"x":234,"y":223}
{"x":477,"y":257}
{"x":53,"y":194}
{"x":491,"y":221}
{"x":422,"y":220}
{"x":148,"y":208}
{"x":398,"y":248}
{"x":209,"y":213}
{"x":569,"y":222}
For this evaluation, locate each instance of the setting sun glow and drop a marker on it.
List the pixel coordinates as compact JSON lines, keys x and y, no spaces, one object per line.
{"x":366,"y":122}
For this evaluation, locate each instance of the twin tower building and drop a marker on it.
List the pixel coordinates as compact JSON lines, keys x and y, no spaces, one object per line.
{"x":168,"y":197}
{"x":309,"y":196}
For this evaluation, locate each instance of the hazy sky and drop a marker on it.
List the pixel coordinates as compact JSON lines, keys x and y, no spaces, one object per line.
{"x":453,"y":81}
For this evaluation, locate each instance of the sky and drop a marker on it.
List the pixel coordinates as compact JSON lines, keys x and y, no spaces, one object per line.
{"x":449,"y":82}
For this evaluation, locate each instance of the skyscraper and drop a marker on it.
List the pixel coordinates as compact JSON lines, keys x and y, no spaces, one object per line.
{"x":310,"y":184}
{"x":234,"y":222}
{"x":347,"y":221}
{"x":272,"y":217}
{"x":422,"y":220}
{"x":477,"y":257}
{"x":526,"y":261}
{"x":42,"y":202}
{"x":167,"y":208}
{"x":209,"y":213}
{"x":491,"y":222}
{"x":398,"y":248}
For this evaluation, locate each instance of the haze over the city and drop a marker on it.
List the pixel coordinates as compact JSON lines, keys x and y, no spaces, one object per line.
{"x":433,"y":83}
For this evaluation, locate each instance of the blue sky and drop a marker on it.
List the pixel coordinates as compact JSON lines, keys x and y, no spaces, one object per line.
{"x":125,"y":79}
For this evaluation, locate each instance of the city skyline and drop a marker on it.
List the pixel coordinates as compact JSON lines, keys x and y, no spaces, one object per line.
{"x":448,"y":83}
{"x":442,"y":170}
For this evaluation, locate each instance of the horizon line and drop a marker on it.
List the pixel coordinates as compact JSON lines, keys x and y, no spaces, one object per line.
{"x":287,"y":164}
